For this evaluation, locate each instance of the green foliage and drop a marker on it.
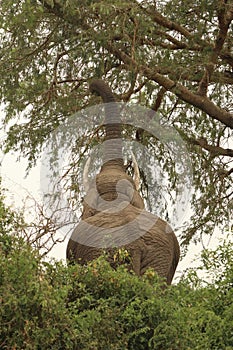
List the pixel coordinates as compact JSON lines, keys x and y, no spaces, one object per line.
{"x":33,"y":313}
{"x":47,"y":305}
{"x":9,"y":222}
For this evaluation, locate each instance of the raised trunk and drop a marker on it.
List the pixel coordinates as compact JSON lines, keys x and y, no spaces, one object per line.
{"x":113,"y":142}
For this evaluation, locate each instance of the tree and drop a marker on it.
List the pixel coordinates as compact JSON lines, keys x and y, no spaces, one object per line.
{"x":174,"y":58}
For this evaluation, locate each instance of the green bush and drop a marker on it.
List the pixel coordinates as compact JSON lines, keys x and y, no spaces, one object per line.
{"x":52,"y":306}
{"x":33,"y":313}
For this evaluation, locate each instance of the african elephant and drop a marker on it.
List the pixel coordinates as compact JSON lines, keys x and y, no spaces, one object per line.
{"x":113,"y":211}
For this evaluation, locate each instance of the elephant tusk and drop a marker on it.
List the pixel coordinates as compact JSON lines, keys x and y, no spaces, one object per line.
{"x":85,"y":175}
{"x":136,"y":172}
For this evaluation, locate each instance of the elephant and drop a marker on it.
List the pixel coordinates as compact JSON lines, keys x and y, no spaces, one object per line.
{"x":113,"y":214}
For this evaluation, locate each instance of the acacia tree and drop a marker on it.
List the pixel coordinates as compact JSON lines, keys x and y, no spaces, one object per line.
{"x":173,"y":58}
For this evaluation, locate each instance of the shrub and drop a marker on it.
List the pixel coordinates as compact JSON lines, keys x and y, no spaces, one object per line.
{"x":48,"y":305}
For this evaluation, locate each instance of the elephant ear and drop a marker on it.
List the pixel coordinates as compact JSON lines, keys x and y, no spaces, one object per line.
{"x":113,"y":138}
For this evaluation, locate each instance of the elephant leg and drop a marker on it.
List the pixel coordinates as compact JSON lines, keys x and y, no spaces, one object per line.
{"x":175,"y":260}
{"x":136,"y":261}
{"x":137,"y":251}
{"x":160,"y":260}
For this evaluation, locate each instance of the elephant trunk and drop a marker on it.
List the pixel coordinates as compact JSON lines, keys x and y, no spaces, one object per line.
{"x":113,"y":141}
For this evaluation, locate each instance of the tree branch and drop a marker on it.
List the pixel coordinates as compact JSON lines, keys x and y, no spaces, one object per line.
{"x":186,"y":95}
{"x":224,"y":20}
{"x":201,"y":102}
{"x":159,"y":99}
{"x":214,"y":150}
{"x":160,"y":19}
{"x":225,"y":77}
{"x":166,"y":23}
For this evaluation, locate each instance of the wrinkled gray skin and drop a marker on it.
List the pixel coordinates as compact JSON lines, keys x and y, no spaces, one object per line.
{"x":155,"y":247}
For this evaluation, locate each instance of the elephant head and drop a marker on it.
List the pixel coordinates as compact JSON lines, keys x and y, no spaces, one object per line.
{"x":113,"y":211}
